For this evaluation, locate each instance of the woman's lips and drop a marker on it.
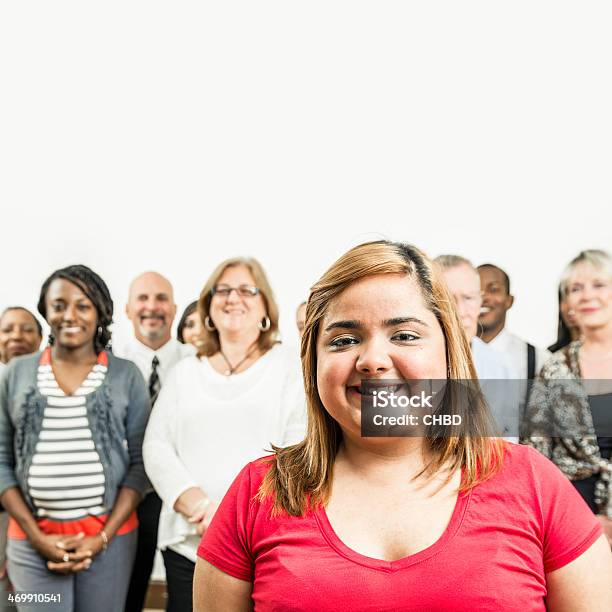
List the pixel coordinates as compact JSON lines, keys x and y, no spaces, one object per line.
{"x":370,"y":386}
{"x":588,"y":310}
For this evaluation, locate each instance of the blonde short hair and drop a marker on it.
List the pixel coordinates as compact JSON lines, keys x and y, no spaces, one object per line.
{"x":452,"y":261}
{"x":598,"y":258}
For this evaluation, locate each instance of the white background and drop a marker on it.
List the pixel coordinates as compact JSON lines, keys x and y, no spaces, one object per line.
{"x":171,"y":135}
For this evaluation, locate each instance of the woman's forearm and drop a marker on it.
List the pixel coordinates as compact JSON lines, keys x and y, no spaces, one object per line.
{"x":126,"y":502}
{"x":188,"y":500}
{"x":14,"y":503}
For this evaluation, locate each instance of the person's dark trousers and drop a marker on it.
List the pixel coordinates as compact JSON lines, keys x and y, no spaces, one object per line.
{"x":148,"y":520}
{"x":179,"y":577}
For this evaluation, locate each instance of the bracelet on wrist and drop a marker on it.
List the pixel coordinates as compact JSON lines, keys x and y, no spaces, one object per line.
{"x":104,"y":537}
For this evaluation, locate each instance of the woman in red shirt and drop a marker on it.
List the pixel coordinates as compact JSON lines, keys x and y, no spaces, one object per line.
{"x":346,"y":522}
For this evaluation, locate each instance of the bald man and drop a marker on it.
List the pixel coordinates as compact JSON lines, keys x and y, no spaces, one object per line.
{"x":151,"y":309}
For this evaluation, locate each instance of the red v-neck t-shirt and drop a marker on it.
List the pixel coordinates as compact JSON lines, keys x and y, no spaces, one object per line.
{"x":503,"y":537}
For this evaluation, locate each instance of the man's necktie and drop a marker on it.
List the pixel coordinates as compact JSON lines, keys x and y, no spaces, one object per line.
{"x":154,"y":382}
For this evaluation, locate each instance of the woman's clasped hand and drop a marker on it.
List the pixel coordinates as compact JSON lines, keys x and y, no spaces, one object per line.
{"x":68,"y":554}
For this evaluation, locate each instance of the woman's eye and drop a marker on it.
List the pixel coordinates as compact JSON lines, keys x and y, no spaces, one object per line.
{"x":404,"y":337}
{"x":56,"y":307}
{"x":342,"y":342}
{"x":83,"y":306}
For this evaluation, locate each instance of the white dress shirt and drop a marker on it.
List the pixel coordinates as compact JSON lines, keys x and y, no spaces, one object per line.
{"x":168,"y":355}
{"x":516,"y":349}
{"x":490,"y":363}
{"x":504,"y":398}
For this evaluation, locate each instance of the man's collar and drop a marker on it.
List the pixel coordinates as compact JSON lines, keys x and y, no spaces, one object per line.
{"x":501,"y":338}
{"x":160,"y":352}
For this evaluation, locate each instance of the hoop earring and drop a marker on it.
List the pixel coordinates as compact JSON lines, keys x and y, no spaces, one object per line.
{"x":100,"y":330}
{"x":209,"y":325}
{"x":265,"y":324}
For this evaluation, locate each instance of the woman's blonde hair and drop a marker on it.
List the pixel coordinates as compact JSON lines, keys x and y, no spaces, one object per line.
{"x":210,"y":338}
{"x":599,"y":259}
{"x":300,"y":475}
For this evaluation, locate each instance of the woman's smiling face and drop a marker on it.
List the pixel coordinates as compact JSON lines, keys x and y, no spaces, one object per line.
{"x":377,"y":328}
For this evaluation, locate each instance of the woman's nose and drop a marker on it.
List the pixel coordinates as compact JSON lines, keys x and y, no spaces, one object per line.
{"x":233,"y":295}
{"x":69,"y":313}
{"x":587,"y":293}
{"x":374,"y":359}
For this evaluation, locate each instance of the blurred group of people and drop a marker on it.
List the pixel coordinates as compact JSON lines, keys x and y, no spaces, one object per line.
{"x":108,"y":453}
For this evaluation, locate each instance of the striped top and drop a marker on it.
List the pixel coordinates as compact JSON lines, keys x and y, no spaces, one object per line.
{"x":66,"y":478}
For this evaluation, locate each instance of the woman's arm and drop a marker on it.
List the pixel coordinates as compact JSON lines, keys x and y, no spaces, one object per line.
{"x":215,"y":591}
{"x":585,"y":584}
{"x":169,"y":475}
{"x":49,"y":546}
{"x":137,"y":416}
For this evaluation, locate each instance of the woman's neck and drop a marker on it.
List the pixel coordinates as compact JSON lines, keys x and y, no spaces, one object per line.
{"x":77,"y":355}
{"x":598,"y":340}
{"x":384,"y":460}
{"x":235,"y":347}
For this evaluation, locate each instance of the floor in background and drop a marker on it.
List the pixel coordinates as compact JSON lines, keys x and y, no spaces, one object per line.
{"x":156,"y":596}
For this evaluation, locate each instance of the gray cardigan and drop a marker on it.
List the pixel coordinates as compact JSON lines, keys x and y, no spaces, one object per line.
{"x":117,"y":413}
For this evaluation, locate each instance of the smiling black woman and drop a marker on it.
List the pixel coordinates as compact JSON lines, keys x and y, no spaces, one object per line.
{"x":72,"y":420}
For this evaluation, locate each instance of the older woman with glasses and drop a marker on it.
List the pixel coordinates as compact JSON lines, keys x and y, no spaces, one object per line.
{"x":241,"y":394}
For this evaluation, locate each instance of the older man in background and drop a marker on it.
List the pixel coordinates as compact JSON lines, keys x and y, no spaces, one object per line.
{"x":152,"y":310}
{"x":463,"y":282}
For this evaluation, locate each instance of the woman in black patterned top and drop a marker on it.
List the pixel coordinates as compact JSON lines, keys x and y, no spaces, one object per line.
{"x":570,"y":409}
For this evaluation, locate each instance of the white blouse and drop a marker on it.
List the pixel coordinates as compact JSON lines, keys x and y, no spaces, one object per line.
{"x":206,"y":426}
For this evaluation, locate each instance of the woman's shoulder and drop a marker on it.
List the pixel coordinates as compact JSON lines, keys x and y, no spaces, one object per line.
{"x":23,"y":366}
{"x":186,"y":371}
{"x":521,"y":457}
{"x":118,"y":365}
{"x":558,"y":365}
{"x":255,"y":471}
{"x":527,"y":473}
{"x":244,"y":490}
{"x":283,"y":359}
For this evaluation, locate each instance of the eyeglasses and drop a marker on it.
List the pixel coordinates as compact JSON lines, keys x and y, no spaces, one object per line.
{"x":246,"y":291}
